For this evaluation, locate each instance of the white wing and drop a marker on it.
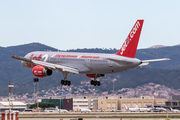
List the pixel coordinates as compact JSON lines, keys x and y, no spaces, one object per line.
{"x":48,"y":65}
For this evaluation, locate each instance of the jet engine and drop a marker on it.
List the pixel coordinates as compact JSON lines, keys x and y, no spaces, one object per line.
{"x":41,"y":71}
{"x":92,"y":75}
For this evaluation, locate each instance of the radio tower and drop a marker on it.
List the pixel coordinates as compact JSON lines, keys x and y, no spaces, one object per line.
{"x":10,"y":95}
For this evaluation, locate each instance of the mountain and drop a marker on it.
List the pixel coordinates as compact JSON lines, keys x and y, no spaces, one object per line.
{"x":164,"y":52}
{"x":160,"y":72}
{"x":11,"y":70}
{"x":158,"y":46}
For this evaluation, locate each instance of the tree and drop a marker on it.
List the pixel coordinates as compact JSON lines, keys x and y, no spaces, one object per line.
{"x":43,"y":105}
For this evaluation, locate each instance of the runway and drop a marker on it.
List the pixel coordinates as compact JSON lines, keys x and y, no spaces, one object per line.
{"x":96,"y":119}
{"x":98,"y":116}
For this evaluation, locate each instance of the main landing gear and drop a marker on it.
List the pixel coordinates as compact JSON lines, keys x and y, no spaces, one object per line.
{"x":65,"y":81}
{"x":36,"y":80}
{"x":95,"y":82}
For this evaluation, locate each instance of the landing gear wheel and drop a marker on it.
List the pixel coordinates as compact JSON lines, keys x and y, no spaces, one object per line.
{"x":95,"y":83}
{"x":92,"y":82}
{"x":68,"y":83}
{"x":98,"y":83}
{"x":62,"y":82}
{"x":65,"y":82}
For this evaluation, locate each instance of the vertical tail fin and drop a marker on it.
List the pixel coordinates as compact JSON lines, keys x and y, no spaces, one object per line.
{"x":136,"y":106}
{"x":152,"y":106}
{"x":125,"y":106}
{"x":129,"y":47}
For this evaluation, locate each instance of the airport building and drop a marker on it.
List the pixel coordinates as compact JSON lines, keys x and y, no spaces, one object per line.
{"x":118,"y":103}
{"x":174,"y":103}
{"x":82,"y":102}
{"x":107,"y":104}
{"x":104,"y":103}
{"x":61,"y":103}
{"x":71,"y":103}
{"x":95,"y":104}
{"x":16,"y":105}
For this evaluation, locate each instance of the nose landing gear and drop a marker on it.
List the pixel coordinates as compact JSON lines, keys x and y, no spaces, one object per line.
{"x":36,"y":80}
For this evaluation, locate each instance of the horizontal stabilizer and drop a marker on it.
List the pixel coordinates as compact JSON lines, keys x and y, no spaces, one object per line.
{"x":146,"y":62}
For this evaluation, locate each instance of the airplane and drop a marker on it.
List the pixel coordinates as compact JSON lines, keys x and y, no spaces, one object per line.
{"x":174,"y":110}
{"x":63,"y":110}
{"x":56,"y":110}
{"x":131,"y":109}
{"x":158,"y":109}
{"x":83,"y":109}
{"x":94,"y":65}
{"x":144,"y":109}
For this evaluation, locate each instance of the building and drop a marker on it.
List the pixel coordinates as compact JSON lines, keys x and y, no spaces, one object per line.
{"x":61,"y":103}
{"x":20,"y":106}
{"x":117,"y":103}
{"x":142,"y":103}
{"x":174,"y":103}
{"x":82,"y":102}
{"x":108,"y":104}
{"x":95,"y":104}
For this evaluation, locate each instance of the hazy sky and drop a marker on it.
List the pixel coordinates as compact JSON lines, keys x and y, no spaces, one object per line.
{"x":72,"y":24}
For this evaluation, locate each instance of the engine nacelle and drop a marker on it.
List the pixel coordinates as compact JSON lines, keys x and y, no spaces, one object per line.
{"x":41,"y":71}
{"x":92,"y":75}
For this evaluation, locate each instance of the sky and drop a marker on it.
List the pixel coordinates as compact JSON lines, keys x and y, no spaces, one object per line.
{"x":72,"y":24}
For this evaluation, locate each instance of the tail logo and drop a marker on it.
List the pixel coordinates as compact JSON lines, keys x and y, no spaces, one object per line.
{"x":131,"y":35}
{"x":125,"y":44}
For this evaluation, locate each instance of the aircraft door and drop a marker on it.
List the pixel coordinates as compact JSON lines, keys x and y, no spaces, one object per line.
{"x":88,"y":62}
{"x":110,"y":63}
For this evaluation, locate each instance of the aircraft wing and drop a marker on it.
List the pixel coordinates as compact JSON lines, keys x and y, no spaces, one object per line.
{"x":48,"y":65}
{"x":146,"y":62}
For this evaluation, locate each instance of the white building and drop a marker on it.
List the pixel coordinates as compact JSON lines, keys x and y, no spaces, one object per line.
{"x":20,"y":106}
{"x":83,"y":103}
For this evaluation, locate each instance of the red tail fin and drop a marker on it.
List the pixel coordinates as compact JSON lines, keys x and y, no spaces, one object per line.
{"x":129,"y":47}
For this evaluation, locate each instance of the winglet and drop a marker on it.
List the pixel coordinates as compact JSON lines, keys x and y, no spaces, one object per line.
{"x":129,"y":47}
